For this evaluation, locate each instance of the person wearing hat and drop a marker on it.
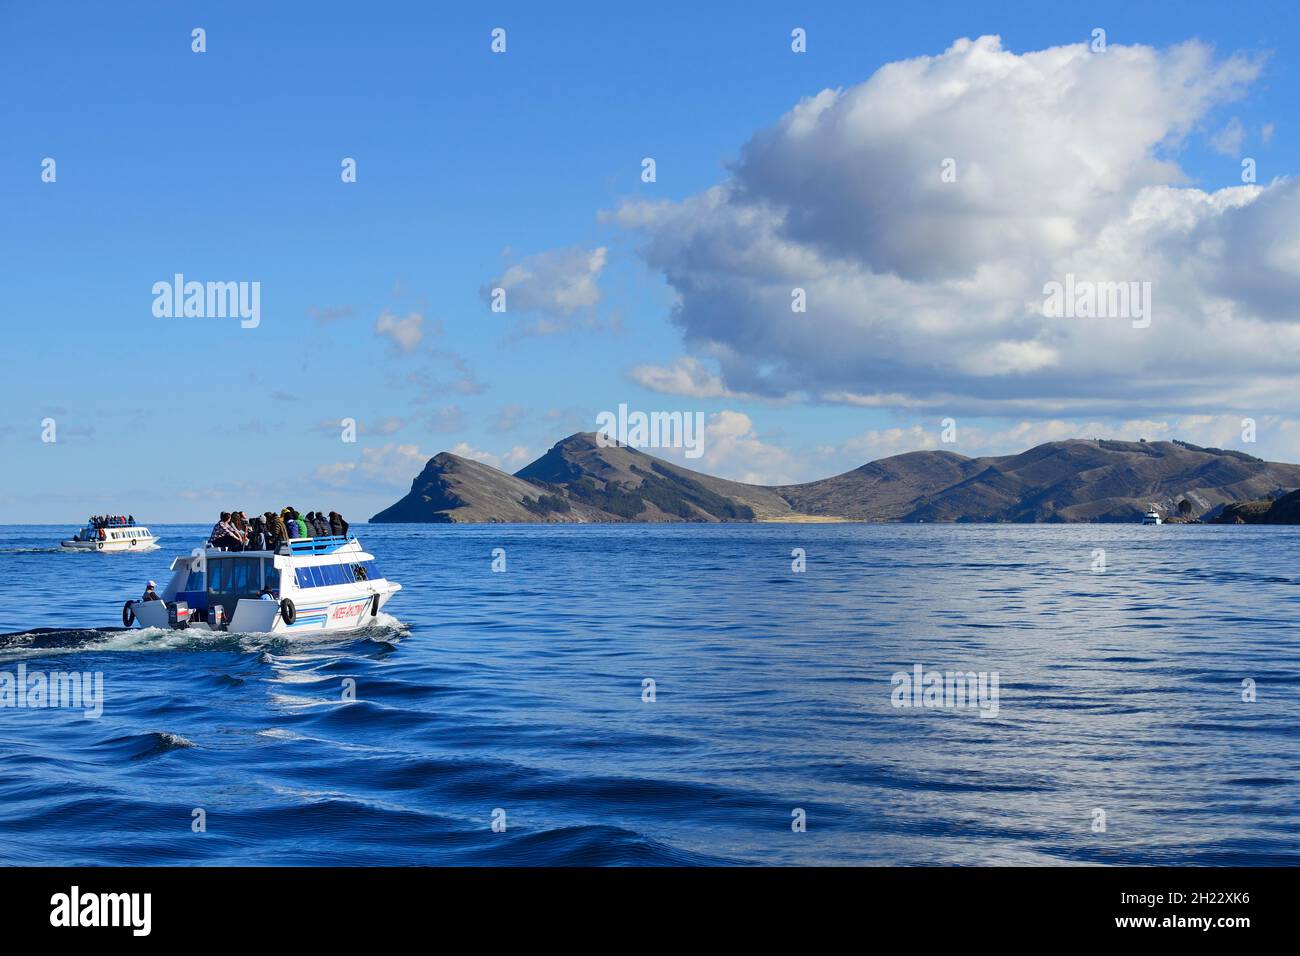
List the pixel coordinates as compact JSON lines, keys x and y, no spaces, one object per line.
{"x":150,"y":594}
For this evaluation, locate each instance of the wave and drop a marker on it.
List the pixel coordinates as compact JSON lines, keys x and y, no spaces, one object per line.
{"x":42,"y":640}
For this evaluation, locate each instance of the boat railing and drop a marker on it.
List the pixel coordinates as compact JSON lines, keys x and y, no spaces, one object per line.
{"x":317,"y":545}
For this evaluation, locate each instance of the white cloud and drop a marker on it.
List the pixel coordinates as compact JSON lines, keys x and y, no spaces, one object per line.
{"x":391,"y":465}
{"x":732,"y":448}
{"x":925,"y":294}
{"x":511,"y":461}
{"x":405,"y":334}
{"x":1229,"y":139}
{"x":687,"y":377}
{"x":557,"y":283}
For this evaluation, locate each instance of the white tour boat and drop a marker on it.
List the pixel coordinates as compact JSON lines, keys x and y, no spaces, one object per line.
{"x":307,"y":584}
{"x":111,"y":536}
{"x":1152,"y":516}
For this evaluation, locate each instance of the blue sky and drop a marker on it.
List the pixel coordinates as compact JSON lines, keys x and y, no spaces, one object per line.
{"x":225,"y":165}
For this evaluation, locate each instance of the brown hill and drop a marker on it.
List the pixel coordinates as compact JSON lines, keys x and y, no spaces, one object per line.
{"x":1284,"y":510}
{"x":1075,"y":480}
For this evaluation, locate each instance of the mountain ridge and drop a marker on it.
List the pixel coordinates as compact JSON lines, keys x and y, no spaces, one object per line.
{"x":582,"y":480}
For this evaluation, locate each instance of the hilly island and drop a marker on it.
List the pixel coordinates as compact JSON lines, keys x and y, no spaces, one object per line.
{"x":581,"y":480}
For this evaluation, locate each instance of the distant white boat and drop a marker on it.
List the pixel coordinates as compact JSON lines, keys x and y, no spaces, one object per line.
{"x":111,"y":536}
{"x":1152,"y":517}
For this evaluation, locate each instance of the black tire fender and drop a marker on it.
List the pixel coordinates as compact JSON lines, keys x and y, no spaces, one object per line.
{"x":128,"y":613}
{"x":288,"y":612}
{"x":374,"y":606}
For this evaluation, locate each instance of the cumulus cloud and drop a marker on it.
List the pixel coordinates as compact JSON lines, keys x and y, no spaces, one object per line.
{"x":405,"y":334}
{"x":687,"y":377}
{"x":732,"y":448}
{"x":557,"y":283}
{"x":391,"y":465}
{"x":511,"y":461}
{"x":924,"y":293}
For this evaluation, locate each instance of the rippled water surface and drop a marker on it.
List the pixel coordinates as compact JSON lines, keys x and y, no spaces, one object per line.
{"x":523,"y":691}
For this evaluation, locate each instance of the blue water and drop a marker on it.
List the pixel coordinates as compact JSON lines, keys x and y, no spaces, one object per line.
{"x":522,"y":691}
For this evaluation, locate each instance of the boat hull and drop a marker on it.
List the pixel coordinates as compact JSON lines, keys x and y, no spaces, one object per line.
{"x":340,"y":612}
{"x":110,"y":547}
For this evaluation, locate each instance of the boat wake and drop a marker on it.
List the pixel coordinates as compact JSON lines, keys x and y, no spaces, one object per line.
{"x":44,"y":641}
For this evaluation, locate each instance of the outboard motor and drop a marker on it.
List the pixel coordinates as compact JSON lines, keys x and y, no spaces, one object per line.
{"x":216,"y":617}
{"x":178,"y":614}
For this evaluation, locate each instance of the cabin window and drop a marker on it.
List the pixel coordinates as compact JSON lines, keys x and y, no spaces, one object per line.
{"x":218,"y":575}
{"x":195,"y":582}
{"x":304,"y":578}
{"x":270,"y":575}
{"x":241,"y":568}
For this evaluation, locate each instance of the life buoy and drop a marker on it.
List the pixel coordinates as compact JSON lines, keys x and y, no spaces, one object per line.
{"x":374,"y":606}
{"x":128,"y":613}
{"x":288,"y":613}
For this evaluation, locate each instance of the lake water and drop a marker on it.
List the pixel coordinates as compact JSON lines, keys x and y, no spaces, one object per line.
{"x":524,"y":691}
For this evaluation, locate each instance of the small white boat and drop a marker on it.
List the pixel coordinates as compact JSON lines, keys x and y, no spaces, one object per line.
{"x":308,"y":584}
{"x":111,"y":536}
{"x":1152,"y":516}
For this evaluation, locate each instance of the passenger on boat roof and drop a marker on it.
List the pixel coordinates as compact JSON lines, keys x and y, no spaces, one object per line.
{"x":319,"y":526}
{"x":277,"y":533}
{"x":149,"y":593}
{"x":224,"y":535}
{"x":338,"y":527}
{"x":256,"y":535}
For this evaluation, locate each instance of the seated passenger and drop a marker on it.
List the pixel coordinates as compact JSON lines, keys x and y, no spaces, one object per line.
{"x":224,"y":535}
{"x":338,"y":526}
{"x":256,"y":535}
{"x":278,"y":532}
{"x":150,"y":594}
{"x":265,"y":595}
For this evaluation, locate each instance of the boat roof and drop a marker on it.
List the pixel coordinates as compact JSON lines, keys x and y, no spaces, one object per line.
{"x":298,"y":547}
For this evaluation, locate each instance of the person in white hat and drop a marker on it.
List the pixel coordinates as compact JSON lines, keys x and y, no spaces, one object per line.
{"x":150,"y":594}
